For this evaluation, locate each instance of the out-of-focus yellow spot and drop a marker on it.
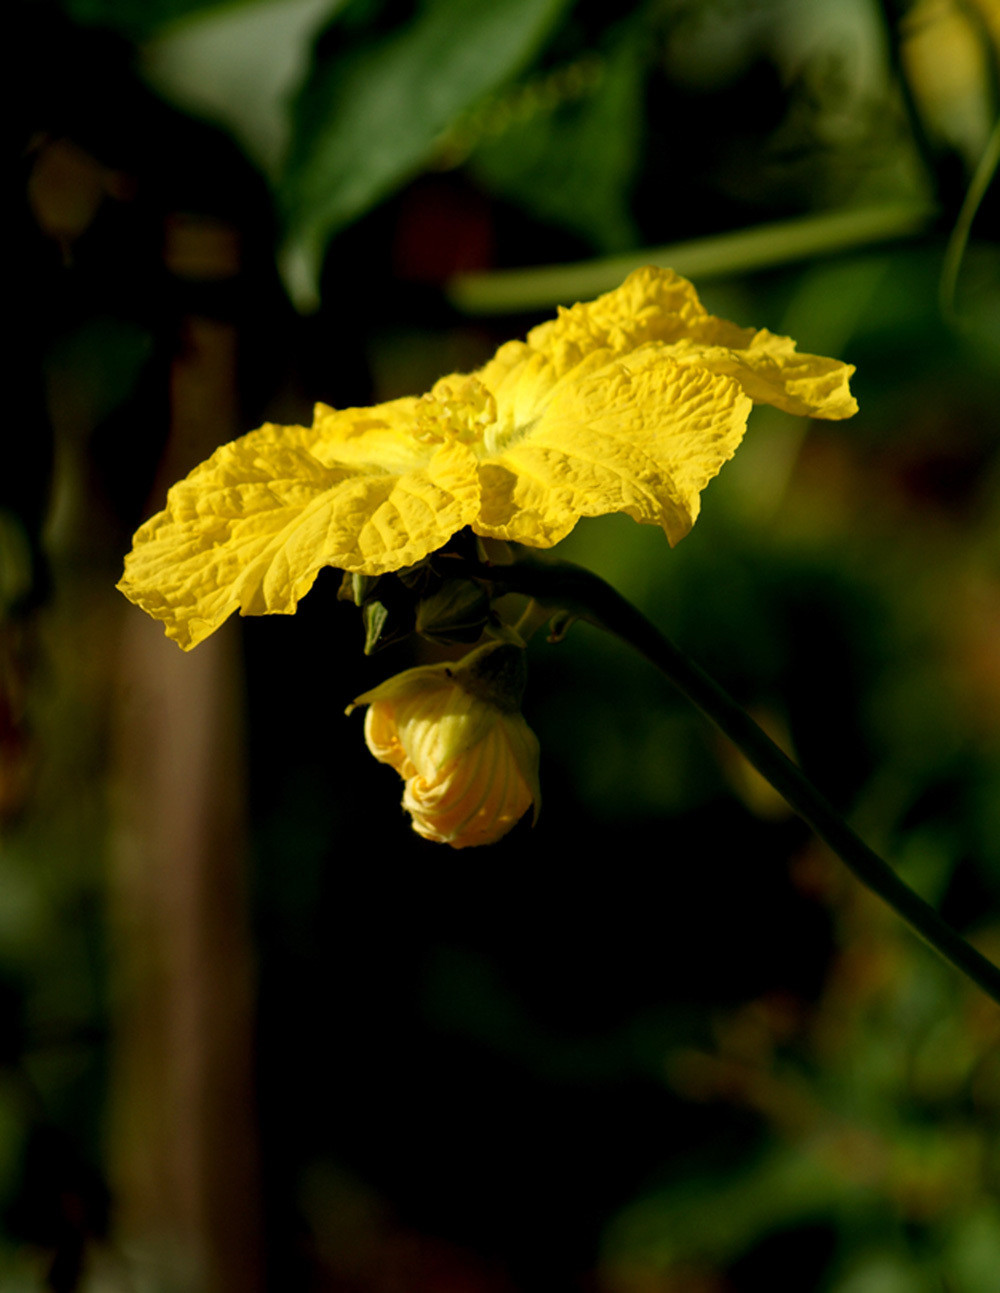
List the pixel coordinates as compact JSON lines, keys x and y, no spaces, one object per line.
{"x":946,"y":55}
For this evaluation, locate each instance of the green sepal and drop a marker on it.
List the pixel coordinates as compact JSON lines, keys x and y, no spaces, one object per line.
{"x":358,"y":589}
{"x":385,"y":622}
{"x":457,"y":611}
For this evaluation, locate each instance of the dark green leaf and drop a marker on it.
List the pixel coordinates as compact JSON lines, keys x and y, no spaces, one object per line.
{"x":140,"y":19}
{"x":370,"y":116}
{"x":572,"y":162}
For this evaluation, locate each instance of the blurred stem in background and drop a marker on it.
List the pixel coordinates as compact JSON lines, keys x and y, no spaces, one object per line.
{"x":744,"y":251}
{"x":983,"y":177}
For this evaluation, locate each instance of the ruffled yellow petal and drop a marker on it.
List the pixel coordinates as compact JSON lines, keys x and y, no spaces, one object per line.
{"x":658,"y":305}
{"x":651,"y":305}
{"x":250,"y":528}
{"x":642,"y":435}
{"x":362,"y":437}
{"x":630,"y":403}
{"x":771,"y":371}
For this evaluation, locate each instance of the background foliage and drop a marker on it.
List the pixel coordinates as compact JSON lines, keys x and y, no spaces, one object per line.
{"x":257,"y":1033}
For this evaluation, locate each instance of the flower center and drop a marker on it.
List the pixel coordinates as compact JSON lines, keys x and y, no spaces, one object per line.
{"x":456,"y":408}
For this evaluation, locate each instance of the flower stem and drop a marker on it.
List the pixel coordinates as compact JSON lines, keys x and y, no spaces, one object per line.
{"x":510,"y":291}
{"x":583,"y":594}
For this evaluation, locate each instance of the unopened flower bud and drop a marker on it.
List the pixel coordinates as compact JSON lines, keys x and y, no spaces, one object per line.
{"x":455,"y":734}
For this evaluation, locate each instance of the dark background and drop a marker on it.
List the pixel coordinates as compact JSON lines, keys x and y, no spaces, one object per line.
{"x":256,"y":1033}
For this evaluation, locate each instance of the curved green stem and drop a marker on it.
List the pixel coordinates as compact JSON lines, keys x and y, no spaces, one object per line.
{"x":978,"y":186}
{"x":585,"y":595}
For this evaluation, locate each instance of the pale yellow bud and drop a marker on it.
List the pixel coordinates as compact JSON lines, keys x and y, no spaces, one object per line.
{"x":455,"y":734}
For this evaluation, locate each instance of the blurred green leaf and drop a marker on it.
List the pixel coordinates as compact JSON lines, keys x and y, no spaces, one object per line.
{"x":713,"y":1220}
{"x":973,"y":1249}
{"x":15,"y":561}
{"x":887,"y":1272}
{"x":370,"y":116}
{"x":572,"y":162}
{"x":140,"y":18}
{"x":98,"y":365}
{"x":239,"y":67}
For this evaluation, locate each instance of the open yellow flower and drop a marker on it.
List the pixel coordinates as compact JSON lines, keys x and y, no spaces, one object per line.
{"x":630,"y":403}
{"x":455,"y":734}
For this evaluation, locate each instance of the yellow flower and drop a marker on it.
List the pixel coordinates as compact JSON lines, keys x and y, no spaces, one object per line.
{"x":455,"y":734}
{"x":630,"y":403}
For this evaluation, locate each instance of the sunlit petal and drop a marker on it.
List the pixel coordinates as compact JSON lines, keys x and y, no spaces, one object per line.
{"x":630,"y":403}
{"x":657,"y":305}
{"x":641,"y":436}
{"x":250,"y":528}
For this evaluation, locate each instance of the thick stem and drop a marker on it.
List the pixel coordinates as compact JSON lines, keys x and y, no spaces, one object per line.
{"x":583,"y":594}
